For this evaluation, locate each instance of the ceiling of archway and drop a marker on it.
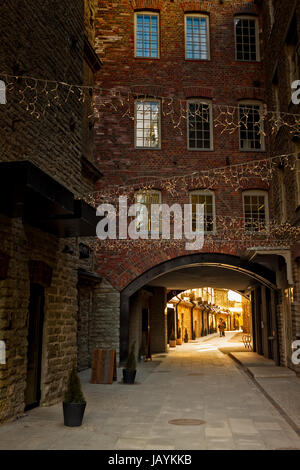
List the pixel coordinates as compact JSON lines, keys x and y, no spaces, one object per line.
{"x":204,"y":276}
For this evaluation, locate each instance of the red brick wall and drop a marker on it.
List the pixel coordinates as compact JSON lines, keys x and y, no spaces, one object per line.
{"x":222,"y":78}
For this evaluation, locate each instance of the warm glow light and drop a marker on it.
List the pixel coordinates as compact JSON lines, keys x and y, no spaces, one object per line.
{"x":234,"y":296}
{"x":236,"y":309}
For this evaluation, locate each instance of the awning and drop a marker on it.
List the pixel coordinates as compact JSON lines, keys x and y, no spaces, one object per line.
{"x":28,"y":192}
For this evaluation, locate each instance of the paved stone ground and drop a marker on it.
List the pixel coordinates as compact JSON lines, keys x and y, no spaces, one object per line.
{"x":237,"y":414}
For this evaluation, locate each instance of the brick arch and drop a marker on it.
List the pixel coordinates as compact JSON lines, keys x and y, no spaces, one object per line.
{"x":197,"y":6}
{"x":124,"y":268}
{"x":246,"y":93}
{"x":261,"y":274}
{"x":147,"y":4}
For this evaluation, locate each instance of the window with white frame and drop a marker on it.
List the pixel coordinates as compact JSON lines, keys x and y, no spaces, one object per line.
{"x":147,"y":198}
{"x":246,"y":38}
{"x":147,"y":34}
{"x":2,"y":92}
{"x":207,"y":198}
{"x":199,"y":125}
{"x":256,"y":211}
{"x":147,"y":123}
{"x":251,"y":126}
{"x":197,"y":37}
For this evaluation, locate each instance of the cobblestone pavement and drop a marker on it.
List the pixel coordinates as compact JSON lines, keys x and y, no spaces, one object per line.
{"x":194,"y":381}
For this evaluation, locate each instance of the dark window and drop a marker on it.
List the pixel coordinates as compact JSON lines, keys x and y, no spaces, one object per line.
{"x":246,"y":39}
{"x":199,"y":126}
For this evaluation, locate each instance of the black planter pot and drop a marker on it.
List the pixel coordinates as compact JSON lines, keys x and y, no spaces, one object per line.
{"x":73,"y":413}
{"x":129,"y":376}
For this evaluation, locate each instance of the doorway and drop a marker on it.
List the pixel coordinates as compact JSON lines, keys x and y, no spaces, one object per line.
{"x":35,"y":343}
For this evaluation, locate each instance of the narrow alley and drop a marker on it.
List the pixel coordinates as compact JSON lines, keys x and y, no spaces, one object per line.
{"x":195,"y":381}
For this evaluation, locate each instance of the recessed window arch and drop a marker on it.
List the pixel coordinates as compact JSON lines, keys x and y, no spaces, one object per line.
{"x":256,"y":210}
{"x":2,"y":92}
{"x":147,"y":123}
{"x":246,"y":38}
{"x":197,"y":44}
{"x":208,"y":199}
{"x":146,"y":28}
{"x":199,"y":124}
{"x":251,"y":128}
{"x":147,"y":198}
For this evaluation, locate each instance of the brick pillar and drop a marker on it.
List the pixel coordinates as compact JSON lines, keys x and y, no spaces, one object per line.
{"x":158,"y":320}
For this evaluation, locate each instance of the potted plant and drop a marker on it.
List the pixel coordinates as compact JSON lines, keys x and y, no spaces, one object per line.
{"x":74,"y":403}
{"x":172,"y":341}
{"x":129,"y":372}
{"x":179,"y":339}
{"x":186,"y":336}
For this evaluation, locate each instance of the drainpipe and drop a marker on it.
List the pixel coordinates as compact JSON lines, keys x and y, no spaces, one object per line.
{"x":192,"y":317}
{"x":176,"y":312}
{"x":202,"y":319}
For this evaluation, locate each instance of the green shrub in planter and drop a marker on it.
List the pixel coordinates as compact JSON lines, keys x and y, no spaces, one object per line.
{"x":74,"y":402}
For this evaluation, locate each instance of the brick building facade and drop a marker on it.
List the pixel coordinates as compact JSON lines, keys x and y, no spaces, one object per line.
{"x":172,"y":55}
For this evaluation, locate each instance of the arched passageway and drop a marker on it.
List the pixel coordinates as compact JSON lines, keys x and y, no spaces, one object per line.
{"x":195,"y":271}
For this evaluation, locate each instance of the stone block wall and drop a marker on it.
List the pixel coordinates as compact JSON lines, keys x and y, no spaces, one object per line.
{"x":46,"y":42}
{"x":105,"y":329}
{"x":42,"y":122}
{"x":22,"y":244}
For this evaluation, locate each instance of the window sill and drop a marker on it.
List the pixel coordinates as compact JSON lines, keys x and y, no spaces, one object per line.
{"x":198,"y":60}
{"x":147,"y":148}
{"x":253,"y":150}
{"x":248,"y":61}
{"x":147,"y":58}
{"x":201,"y":150}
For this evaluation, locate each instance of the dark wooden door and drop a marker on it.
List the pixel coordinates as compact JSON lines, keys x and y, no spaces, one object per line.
{"x":35,"y":342}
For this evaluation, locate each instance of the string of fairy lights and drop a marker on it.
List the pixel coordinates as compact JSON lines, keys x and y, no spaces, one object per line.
{"x":39,"y":96}
{"x":230,"y":231}
{"x":234,"y":175}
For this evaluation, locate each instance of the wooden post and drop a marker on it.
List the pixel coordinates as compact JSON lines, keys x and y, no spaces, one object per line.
{"x":264,"y":323}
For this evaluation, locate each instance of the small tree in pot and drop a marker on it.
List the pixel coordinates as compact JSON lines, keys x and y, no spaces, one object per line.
{"x":129,"y":372}
{"x":74,"y":403}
